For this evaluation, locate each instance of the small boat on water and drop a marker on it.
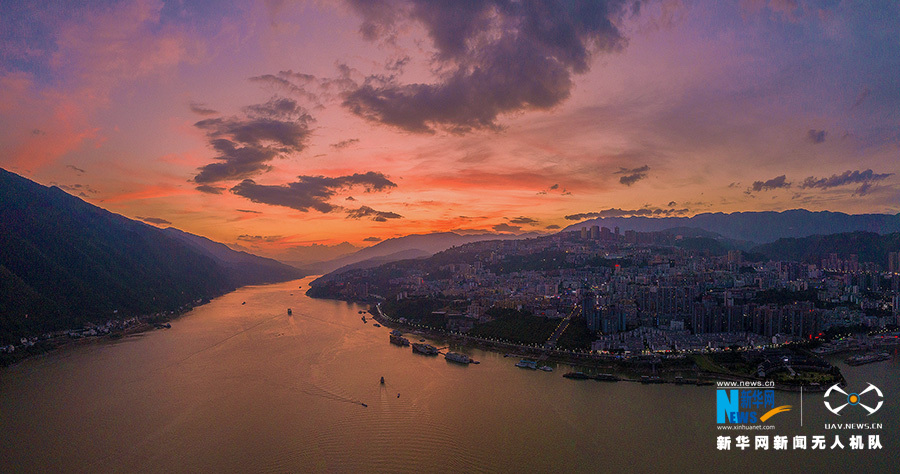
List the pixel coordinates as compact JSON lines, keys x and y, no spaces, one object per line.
{"x":290,"y":312}
{"x":382,"y":380}
{"x":527,"y":364}
{"x":377,"y":325}
{"x":364,"y":319}
{"x":546,"y":368}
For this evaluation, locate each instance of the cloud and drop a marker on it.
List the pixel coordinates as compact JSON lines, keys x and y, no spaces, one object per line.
{"x":82,"y":190}
{"x":260,"y":238}
{"x":75,"y":169}
{"x":552,"y":227}
{"x":314,"y":192}
{"x":245,"y":144}
{"x":632,"y":175}
{"x":154,"y":220}
{"x":523,"y":220}
{"x":201,"y":109}
{"x":248,"y":211}
{"x":377,"y":216}
{"x":816,"y":136}
{"x":774,"y":183}
{"x":344,"y":143}
{"x":847,"y":177}
{"x":205,"y":188}
{"x":672,"y":204}
{"x":493,"y":57}
{"x":372,"y":239}
{"x":614,"y":212}
{"x":507,"y":228}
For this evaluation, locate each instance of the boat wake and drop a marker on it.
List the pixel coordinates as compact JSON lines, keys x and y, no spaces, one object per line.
{"x":320,"y":392}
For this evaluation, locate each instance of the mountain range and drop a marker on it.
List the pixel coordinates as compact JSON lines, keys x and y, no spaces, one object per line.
{"x":65,"y":262}
{"x":406,"y":247}
{"x":758,"y":227}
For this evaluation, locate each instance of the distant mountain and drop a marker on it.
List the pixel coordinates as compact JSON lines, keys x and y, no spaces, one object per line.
{"x":64,"y":262}
{"x":241,"y":266}
{"x":867,"y":246}
{"x":759,"y":227}
{"x":410,"y":246}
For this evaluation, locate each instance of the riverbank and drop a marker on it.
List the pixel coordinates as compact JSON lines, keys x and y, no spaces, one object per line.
{"x":110,"y":331}
{"x":675,"y":369}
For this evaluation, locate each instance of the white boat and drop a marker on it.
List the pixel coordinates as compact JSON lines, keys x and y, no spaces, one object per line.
{"x":546,"y":368}
{"x":527,"y":364}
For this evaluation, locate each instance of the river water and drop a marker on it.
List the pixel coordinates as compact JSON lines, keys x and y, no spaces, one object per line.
{"x":238,"y":385}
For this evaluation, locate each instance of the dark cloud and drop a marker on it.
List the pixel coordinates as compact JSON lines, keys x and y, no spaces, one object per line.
{"x":672,"y":204}
{"x":259,"y":238}
{"x":865,"y":178}
{"x":75,"y":169}
{"x":154,"y":220}
{"x":245,"y":144}
{"x":614,"y":212}
{"x":294,"y":83}
{"x":774,"y":183}
{"x":314,"y":192}
{"x":523,"y":220}
{"x":494,"y":57}
{"x":38,"y":131}
{"x":377,"y":216}
{"x":82,"y":190}
{"x":350,"y":198}
{"x":372,"y":239}
{"x":632,"y":175}
{"x":201,"y":109}
{"x":816,"y":136}
{"x":344,"y":143}
{"x":248,"y":211}
{"x":552,"y":227}
{"x":205,"y":188}
{"x":555,"y":186}
{"x":506,"y":228}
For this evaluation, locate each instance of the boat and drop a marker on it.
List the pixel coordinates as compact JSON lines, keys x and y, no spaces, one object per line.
{"x":546,"y":368}
{"x":527,"y":364}
{"x":382,"y":380}
{"x":290,"y":312}
{"x":399,"y":340}
{"x":377,"y":325}
{"x":364,"y":319}
{"x":397,"y":332}
{"x":458,"y":358}
{"x":576,"y":375}
{"x":867,"y":358}
{"x":606,"y":378}
{"x":426,"y":349}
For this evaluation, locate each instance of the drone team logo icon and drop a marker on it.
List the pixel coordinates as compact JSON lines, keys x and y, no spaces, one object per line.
{"x":852,"y":399}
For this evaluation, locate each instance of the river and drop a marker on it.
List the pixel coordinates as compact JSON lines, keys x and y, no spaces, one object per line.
{"x":239,"y":385}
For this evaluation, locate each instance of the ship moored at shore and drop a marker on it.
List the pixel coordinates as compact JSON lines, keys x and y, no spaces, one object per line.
{"x":426,"y":349}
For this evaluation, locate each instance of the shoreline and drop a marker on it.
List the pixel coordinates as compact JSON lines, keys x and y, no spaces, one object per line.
{"x":63,"y":341}
{"x":593,"y":362}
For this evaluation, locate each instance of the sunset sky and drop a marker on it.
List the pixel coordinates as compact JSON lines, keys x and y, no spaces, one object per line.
{"x":277,"y":124}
